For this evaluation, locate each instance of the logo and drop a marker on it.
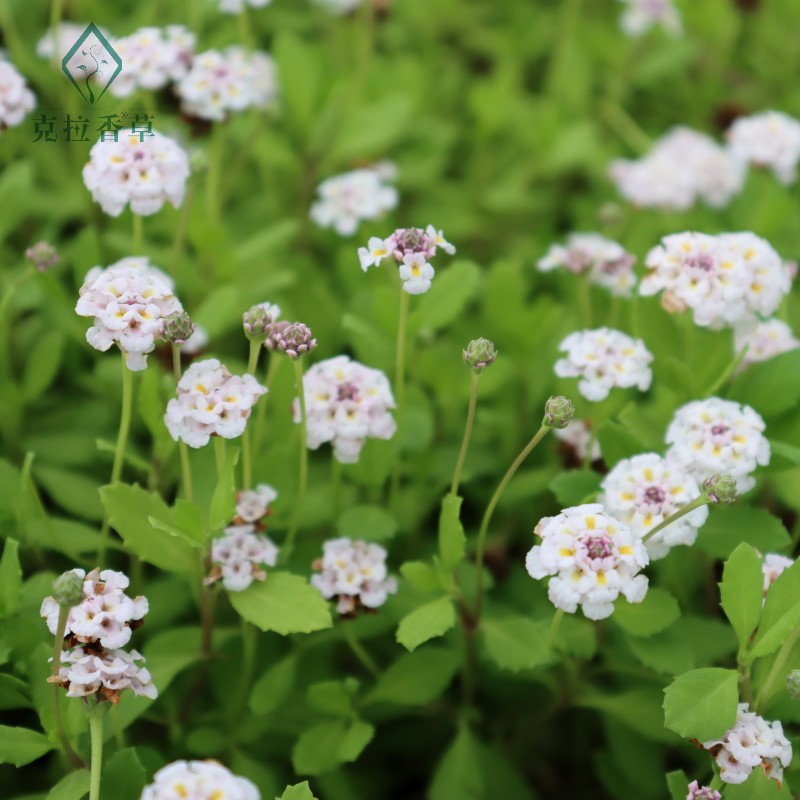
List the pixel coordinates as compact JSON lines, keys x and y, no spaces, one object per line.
{"x":92,"y":64}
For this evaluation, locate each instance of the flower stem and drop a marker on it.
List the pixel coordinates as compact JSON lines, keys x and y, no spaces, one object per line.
{"x":261,"y":414}
{"x":336,"y":486}
{"x":585,"y":300}
{"x":473,"y":399}
{"x":58,"y":646}
{"x":559,"y":615}
{"x":96,"y":733}
{"x":729,"y":370}
{"x":249,"y":633}
{"x":286,"y":550}
{"x":400,"y":392}
{"x":180,"y":232}
{"x":220,"y":455}
{"x":696,"y":503}
{"x":213,"y":173}
{"x":137,"y":234}
{"x":540,"y":434}
{"x":183,"y":448}
{"x":765,"y":694}
{"x":119,"y":452}
{"x":247,"y":453}
{"x":358,"y":649}
{"x":56,"y":12}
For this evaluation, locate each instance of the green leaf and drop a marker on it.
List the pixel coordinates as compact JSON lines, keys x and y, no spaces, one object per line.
{"x":426,"y":622}
{"x":454,"y":287}
{"x":459,"y":774}
{"x":13,"y":693}
{"x":300,"y":791}
{"x":301,"y":73}
{"x":124,"y":777}
{"x":452,"y":540}
{"x":323,"y":747}
{"x":10,"y":578}
{"x":223,"y":501}
{"x":728,"y":527}
{"x":415,"y":679}
{"x":72,"y":491}
{"x":639,"y":709}
{"x":788,"y":451}
{"x":758,"y":787}
{"x":421,"y":576}
{"x":370,"y":523}
{"x":42,"y":364}
{"x":274,"y":686}
{"x":20,"y":746}
{"x":657,"y":611}
{"x":74,"y":786}
{"x":677,"y":783}
{"x":618,"y":442}
{"x":701,"y":704}
{"x":283,"y":603}
{"x":574,"y":486}
{"x":770,"y":386}
{"x":332,"y":697}
{"x":667,"y":652}
{"x":780,"y":615}
{"x":516,"y":643}
{"x":742,"y":591}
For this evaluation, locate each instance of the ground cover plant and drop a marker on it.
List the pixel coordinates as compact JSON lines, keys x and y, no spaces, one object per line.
{"x":399,"y":400}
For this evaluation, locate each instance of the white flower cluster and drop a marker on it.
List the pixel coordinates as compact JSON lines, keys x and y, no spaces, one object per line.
{"x":64,"y":37}
{"x":773,"y":566}
{"x":16,"y":99}
{"x":85,"y":672}
{"x":764,"y":340}
{"x":593,"y":557}
{"x":643,"y":491}
{"x":104,"y":613}
{"x":641,"y":15}
{"x":697,"y":792}
{"x":238,"y":555}
{"x":355,"y":573}
{"x":345,"y":200}
{"x":199,"y":780}
{"x":152,"y":57}
{"x":211,"y":402}
{"x":770,"y":139}
{"x":145,"y":171}
{"x":128,"y":302}
{"x":339,"y":6}
{"x":603,"y":359}
{"x":715,"y":436}
{"x":221,"y":82}
{"x":578,"y":435}
{"x":237,"y":6}
{"x":608,"y":263}
{"x":683,"y":167}
{"x":752,"y":742}
{"x":725,"y":280}
{"x":410,"y":248}
{"x":346,"y":403}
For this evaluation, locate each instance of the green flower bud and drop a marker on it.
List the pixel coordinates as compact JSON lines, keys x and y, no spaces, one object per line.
{"x":178,"y":327}
{"x":293,"y":338}
{"x":68,"y":589}
{"x":720,"y":488}
{"x":558,"y":412}
{"x":256,"y":322}
{"x":793,"y":684}
{"x":480,"y":353}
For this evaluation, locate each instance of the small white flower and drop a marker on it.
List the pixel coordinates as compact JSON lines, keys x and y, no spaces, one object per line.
{"x":237,"y":6}
{"x":697,"y":792}
{"x":770,"y":139}
{"x":416,"y":273}
{"x":641,"y":15}
{"x":238,"y":557}
{"x":439,"y":240}
{"x":578,"y":435}
{"x":752,"y":742}
{"x":715,"y":436}
{"x":592,"y":557}
{"x":604,"y":359}
{"x":85,"y":672}
{"x":199,"y":780}
{"x":16,"y":99}
{"x":773,"y":566}
{"x":143,"y":172}
{"x":372,"y":255}
{"x":764,"y":340}
{"x":643,"y":491}
{"x":252,"y":505}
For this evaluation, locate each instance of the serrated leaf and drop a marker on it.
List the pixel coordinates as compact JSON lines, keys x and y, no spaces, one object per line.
{"x":452,"y":540}
{"x":780,"y":615}
{"x":677,"y":783}
{"x":458,"y":774}
{"x":370,"y":523}
{"x":426,"y":622}
{"x":300,"y":791}
{"x":701,"y":704}
{"x":656,"y":612}
{"x":421,"y":576}
{"x":20,"y":746}
{"x":74,"y":786}
{"x":742,"y":591}
{"x":728,"y":527}
{"x":323,"y":747}
{"x":415,"y":678}
{"x":516,"y":643}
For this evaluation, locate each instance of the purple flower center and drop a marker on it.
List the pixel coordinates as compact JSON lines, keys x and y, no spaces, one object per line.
{"x":720,"y":429}
{"x":654,"y":495}
{"x":598,"y":547}
{"x":703,"y":261}
{"x":347,"y":391}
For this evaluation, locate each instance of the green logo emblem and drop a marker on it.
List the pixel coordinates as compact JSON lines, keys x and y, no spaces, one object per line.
{"x":92,"y":64}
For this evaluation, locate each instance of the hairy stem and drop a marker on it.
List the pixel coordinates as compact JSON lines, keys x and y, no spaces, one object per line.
{"x":247,"y":455}
{"x":400,"y":392}
{"x":286,"y":550}
{"x":358,"y":649}
{"x":729,"y":370}
{"x":697,"y":503}
{"x":183,"y":448}
{"x":473,"y":399}
{"x":556,"y":624}
{"x":765,"y":695}
{"x":96,"y":722}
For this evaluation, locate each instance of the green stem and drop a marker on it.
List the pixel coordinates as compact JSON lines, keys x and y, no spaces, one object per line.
{"x":58,"y":646}
{"x":119,"y":452}
{"x":336,"y":486}
{"x":180,"y":233}
{"x":246,"y":30}
{"x":559,"y":615}
{"x":473,"y":399}
{"x":288,"y":545}
{"x":183,"y":448}
{"x":765,"y":695}
{"x":729,"y":370}
{"x":56,"y":12}
{"x":249,"y":633}
{"x":96,"y":721}
{"x":213,"y":173}
{"x":247,"y":455}
{"x":469,"y":667}
{"x":585,"y":300}
{"x":716,"y":782}
{"x":540,"y":434}
{"x":358,"y":649}
{"x":138,"y":234}
{"x":400,"y":392}
{"x":697,"y":503}
{"x":220,"y":452}
{"x":625,"y":127}
{"x":261,"y":413}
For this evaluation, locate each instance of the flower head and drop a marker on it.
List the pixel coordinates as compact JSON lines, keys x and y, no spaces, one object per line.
{"x":252,"y":505}
{"x":642,"y":15}
{"x":178,"y":327}
{"x":604,"y":359}
{"x":129,"y":302}
{"x":199,"y":780}
{"x":697,"y":792}
{"x":592,"y":557}
{"x":68,"y":588}
{"x":764,"y":340}
{"x":643,"y":491}
{"x":480,"y":353}
{"x":42,"y":255}
{"x":355,"y":573}
{"x":558,"y":412}
{"x":346,"y":403}
{"x":16,"y":99}
{"x":714,"y":436}
{"x":770,"y":139}
{"x":720,"y":488}
{"x":257,"y":322}
{"x":238,"y":557}
{"x":292,"y":338}
{"x":793,"y":684}
{"x":211,"y":402}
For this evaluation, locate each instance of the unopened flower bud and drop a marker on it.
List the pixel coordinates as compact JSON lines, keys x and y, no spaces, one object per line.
{"x":178,"y":327}
{"x":292,"y":338}
{"x":558,"y":412}
{"x":256,"y":322}
{"x":793,"y":684}
{"x":720,"y":488}
{"x":68,"y":589}
{"x":42,"y":255}
{"x":480,"y":353}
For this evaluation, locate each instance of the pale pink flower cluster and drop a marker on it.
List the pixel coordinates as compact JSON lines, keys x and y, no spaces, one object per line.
{"x":773,"y":566}
{"x":345,"y":200}
{"x":578,"y":435}
{"x":764,"y":340}
{"x":152,"y":57}
{"x":252,"y":505}
{"x":697,"y":792}
{"x":64,"y":37}
{"x":752,"y":742}
{"x":239,"y":555}
{"x":607,"y":263}
{"x":770,"y":139}
{"x":355,"y":573}
{"x":410,"y":248}
{"x":592,"y":558}
{"x":640,"y":16}
{"x":237,"y":6}
{"x":128,"y":302}
{"x":221,"y":82}
{"x":682,"y":168}
{"x":211,"y":402}
{"x":715,"y":436}
{"x":16,"y":99}
{"x":199,"y":780}
{"x":603,"y":359}
{"x":346,"y":403}
{"x":725,"y":280}
{"x":144,"y":171}
{"x":643,"y":491}
{"x":86,"y":672}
